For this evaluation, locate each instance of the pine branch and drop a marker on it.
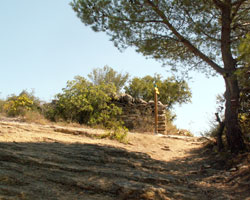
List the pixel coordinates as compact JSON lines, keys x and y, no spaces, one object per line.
{"x":187,"y":43}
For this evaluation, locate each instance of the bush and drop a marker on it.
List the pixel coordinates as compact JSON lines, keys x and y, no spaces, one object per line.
{"x":85,"y":103}
{"x":116,"y":132}
{"x":51,"y":112}
{"x":22,"y":105}
{"x":244,"y":119}
{"x":244,"y":111}
{"x":18,"y":105}
{"x":2,"y":102}
{"x":243,"y":74}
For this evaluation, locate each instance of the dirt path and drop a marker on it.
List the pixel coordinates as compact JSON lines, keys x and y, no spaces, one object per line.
{"x":52,"y":162}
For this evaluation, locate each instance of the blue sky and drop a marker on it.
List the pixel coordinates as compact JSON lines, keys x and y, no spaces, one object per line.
{"x":43,"y":45}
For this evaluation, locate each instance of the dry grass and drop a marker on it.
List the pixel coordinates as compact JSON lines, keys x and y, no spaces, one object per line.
{"x":35,"y":117}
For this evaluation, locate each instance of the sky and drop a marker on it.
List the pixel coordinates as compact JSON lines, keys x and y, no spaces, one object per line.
{"x":43,"y":45}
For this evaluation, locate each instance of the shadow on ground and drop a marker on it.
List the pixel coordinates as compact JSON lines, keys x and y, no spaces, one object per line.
{"x":87,"y":171}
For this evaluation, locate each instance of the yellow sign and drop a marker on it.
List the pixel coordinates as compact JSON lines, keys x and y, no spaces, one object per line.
{"x":156,"y":90}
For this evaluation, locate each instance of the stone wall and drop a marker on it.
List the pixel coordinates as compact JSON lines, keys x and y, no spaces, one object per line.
{"x":139,"y":115}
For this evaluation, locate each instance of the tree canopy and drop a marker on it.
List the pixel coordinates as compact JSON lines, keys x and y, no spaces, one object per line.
{"x":108,"y":75}
{"x":200,"y":34}
{"x":172,"y":31}
{"x":86,"y":103}
{"x":171,"y":90}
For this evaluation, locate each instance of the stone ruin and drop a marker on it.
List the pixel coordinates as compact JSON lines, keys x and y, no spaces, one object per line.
{"x":139,"y":115}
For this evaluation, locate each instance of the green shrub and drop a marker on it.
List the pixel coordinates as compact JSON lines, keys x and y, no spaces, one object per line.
{"x":50,"y":111}
{"x":116,"y":132}
{"x":244,"y":119}
{"x":85,"y":103}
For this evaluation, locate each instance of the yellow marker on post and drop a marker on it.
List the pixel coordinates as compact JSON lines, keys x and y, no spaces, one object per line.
{"x":156,"y":90}
{"x":156,"y":108}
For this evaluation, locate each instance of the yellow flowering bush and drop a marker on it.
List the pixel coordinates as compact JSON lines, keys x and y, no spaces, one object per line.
{"x":18,"y":105}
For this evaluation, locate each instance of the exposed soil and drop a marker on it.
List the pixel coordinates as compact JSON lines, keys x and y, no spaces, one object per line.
{"x":56,"y":162}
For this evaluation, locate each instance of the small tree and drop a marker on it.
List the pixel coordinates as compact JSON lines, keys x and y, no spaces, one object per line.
{"x":107,"y":75}
{"x":19,"y":105}
{"x":171,"y":90}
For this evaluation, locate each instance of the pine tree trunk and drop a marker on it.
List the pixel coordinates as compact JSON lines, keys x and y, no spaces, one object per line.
{"x":233,"y":132}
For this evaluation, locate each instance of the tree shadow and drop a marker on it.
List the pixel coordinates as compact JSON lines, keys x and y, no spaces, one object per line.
{"x":94,"y":171}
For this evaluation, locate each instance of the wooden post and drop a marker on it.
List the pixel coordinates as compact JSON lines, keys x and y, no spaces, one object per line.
{"x":156,"y":112}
